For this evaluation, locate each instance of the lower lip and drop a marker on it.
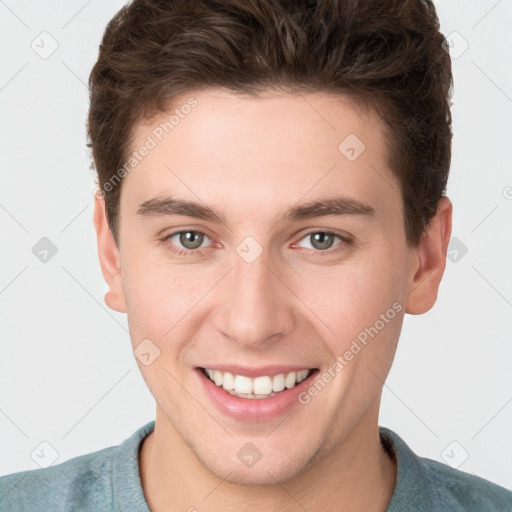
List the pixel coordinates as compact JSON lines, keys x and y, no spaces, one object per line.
{"x":254,"y":409}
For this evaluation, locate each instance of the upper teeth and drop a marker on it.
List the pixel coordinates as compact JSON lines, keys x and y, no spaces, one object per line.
{"x":263,"y":385}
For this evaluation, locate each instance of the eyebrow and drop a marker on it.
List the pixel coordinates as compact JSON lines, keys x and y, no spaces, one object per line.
{"x":338,"y":206}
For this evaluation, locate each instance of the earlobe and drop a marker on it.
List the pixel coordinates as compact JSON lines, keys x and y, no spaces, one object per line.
{"x":109,"y":256}
{"x":430,"y":261}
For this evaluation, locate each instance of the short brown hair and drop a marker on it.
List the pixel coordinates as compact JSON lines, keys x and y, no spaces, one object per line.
{"x":388,"y":54}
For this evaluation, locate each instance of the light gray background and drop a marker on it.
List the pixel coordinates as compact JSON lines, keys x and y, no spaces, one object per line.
{"x":67,"y":372}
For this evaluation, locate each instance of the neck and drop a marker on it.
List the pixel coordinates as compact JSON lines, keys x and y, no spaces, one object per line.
{"x":357,"y":474}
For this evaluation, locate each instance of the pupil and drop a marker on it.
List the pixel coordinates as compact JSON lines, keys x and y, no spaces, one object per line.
{"x":322,"y":240}
{"x":187,"y":239}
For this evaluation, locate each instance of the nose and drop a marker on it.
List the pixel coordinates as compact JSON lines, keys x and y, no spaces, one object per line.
{"x":255,"y":306}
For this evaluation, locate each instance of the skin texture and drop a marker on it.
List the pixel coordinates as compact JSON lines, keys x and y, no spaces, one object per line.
{"x":252,"y":159}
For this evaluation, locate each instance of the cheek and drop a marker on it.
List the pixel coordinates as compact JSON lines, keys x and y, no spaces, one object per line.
{"x":350,"y":298}
{"x":160,"y":306}
{"x":363,"y":308}
{"x":162,"y":299}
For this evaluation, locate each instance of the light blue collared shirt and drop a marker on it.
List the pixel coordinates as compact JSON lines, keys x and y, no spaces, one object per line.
{"x":109,"y":480}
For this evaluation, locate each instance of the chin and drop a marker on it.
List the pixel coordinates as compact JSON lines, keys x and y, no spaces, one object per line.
{"x":268,"y":475}
{"x":272,"y":471}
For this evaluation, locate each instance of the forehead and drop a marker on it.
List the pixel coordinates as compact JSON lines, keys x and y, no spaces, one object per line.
{"x":279,"y":146}
{"x":274,"y":121}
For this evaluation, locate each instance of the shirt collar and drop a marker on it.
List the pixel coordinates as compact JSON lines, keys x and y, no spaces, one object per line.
{"x":127,"y":485}
{"x":411,"y":491}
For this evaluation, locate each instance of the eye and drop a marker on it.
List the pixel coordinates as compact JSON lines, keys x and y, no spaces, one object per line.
{"x":323,"y":240}
{"x":189,"y":239}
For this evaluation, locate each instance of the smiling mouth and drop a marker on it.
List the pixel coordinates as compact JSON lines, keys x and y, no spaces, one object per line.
{"x":265,"y":386}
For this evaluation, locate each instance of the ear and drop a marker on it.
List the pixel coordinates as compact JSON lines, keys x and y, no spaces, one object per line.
{"x":110,"y":259}
{"x":430,"y":261}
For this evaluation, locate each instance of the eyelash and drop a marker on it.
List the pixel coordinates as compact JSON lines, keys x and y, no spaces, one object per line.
{"x":189,"y":252}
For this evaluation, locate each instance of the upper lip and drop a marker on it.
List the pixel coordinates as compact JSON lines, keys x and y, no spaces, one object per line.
{"x":251,"y":371}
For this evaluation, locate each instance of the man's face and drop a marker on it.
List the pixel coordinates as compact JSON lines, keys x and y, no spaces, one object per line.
{"x":264,"y":293}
